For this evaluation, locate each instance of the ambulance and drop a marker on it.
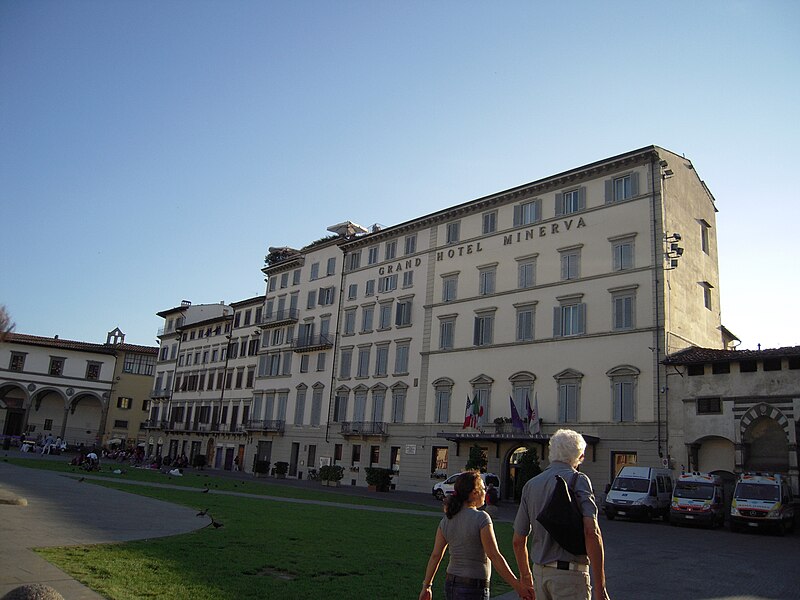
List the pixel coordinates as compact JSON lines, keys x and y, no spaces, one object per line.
{"x":698,"y":499}
{"x":762,"y":500}
{"x":639,"y":493}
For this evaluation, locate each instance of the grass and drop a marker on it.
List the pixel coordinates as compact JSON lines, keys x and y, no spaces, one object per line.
{"x":266,"y":549}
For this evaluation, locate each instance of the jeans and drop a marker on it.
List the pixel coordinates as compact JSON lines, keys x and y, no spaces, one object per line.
{"x":455,"y":591}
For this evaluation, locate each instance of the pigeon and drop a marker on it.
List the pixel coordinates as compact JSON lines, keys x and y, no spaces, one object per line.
{"x":216,"y":524}
{"x":205,"y":491}
{"x":203,"y":513}
{"x":82,"y":479}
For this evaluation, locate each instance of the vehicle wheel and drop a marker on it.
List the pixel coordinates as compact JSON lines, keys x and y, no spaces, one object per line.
{"x":648,"y":515}
{"x":439,"y":495}
{"x":735,"y":527}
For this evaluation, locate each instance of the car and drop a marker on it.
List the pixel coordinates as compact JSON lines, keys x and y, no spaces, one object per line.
{"x":444,"y":488}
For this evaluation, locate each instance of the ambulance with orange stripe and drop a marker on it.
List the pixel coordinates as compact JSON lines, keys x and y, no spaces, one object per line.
{"x":697,"y":498}
{"x":762,"y":500}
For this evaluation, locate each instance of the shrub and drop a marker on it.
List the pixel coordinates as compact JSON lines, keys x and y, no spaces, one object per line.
{"x":262,"y":466}
{"x":281,"y":468}
{"x":379,"y":477}
{"x":331,"y":472}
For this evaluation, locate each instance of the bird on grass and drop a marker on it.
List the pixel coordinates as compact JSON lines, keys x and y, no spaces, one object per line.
{"x":205,"y":491}
{"x":82,"y":479}
{"x":203,"y":513}
{"x":216,"y":524}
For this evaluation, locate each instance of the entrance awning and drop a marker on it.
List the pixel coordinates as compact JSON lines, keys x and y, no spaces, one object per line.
{"x":517,"y":437}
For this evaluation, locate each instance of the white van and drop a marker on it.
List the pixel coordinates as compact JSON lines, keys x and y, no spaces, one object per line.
{"x":639,"y":493}
{"x":698,"y":498}
{"x":762,"y":500}
{"x":445,"y":488}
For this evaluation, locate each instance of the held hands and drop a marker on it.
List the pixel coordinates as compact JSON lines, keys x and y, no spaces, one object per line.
{"x":600,"y":593}
{"x":426,"y":594}
{"x":524,"y":589}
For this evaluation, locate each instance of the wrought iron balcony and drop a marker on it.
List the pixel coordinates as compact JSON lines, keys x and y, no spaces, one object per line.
{"x":155,"y":424}
{"x":280,"y":317}
{"x":364,"y":428}
{"x":266,"y":425}
{"x":310,"y":343}
{"x":160,"y":393}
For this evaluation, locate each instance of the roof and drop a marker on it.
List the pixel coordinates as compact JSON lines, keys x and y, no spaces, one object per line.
{"x":695,"y":355}
{"x":56,"y":342}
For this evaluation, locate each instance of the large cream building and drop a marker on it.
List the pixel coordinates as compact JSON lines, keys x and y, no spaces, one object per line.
{"x":566,"y":293}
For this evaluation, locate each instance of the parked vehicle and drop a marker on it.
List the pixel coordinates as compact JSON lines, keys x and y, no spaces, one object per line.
{"x":445,"y":488}
{"x":762,"y":500}
{"x":639,"y":493}
{"x":698,"y":498}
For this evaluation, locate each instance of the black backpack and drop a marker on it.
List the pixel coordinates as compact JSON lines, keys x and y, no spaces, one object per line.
{"x":562,"y":518}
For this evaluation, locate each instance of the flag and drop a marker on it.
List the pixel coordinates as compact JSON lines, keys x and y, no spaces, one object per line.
{"x":468,"y":414}
{"x":476,"y":411}
{"x":516,"y":420}
{"x":533,"y":416}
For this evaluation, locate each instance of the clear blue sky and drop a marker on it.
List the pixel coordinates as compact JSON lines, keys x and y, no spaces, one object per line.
{"x":151,"y":151}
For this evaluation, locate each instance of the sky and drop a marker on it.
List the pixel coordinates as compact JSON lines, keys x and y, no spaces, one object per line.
{"x":151,"y":151}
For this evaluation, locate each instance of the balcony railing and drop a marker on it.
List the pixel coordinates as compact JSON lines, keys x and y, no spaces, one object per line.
{"x":160,"y":393}
{"x":266,"y":425}
{"x":280,"y":317}
{"x":156,"y":424}
{"x":311,"y":342}
{"x":364,"y":428}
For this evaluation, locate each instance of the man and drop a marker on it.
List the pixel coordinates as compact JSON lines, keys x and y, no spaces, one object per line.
{"x":557,"y":574}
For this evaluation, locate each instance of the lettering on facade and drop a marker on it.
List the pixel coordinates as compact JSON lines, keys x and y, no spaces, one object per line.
{"x":400,"y":267}
{"x":459,"y":251}
{"x":542,"y":231}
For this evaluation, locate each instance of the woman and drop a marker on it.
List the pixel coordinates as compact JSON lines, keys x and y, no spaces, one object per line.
{"x":469,"y":534}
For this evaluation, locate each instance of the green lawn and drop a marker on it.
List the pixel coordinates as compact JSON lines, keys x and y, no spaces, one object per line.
{"x":266,"y":549}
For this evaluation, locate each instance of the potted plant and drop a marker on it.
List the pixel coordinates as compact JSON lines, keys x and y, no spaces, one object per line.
{"x":281,"y":468}
{"x":261,"y":468}
{"x":331,"y":475}
{"x":379,"y":479}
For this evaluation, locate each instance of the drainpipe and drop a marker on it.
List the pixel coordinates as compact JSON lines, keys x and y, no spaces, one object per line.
{"x":332,"y":391}
{"x":658,"y":246}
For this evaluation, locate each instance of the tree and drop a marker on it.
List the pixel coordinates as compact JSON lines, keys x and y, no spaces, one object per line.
{"x":477,"y":459}
{"x":6,"y":325}
{"x":527,"y":468}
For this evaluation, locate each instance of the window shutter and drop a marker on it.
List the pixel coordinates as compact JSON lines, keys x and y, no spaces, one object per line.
{"x":556,"y":321}
{"x":564,"y":266}
{"x":617,"y":402}
{"x":634,"y":184}
{"x":581,"y":318}
{"x":476,"y":332}
{"x":537,"y":210}
{"x":582,"y":198}
{"x":609,"y":191}
{"x":517,"y":215}
{"x":559,"y":204}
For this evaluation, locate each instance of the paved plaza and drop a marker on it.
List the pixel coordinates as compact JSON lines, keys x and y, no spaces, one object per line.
{"x":644,"y":560}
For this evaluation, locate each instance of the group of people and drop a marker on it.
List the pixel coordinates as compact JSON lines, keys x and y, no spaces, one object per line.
{"x":547,"y":571}
{"x":44,"y":444}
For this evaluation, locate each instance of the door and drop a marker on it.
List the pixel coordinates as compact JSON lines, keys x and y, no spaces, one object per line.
{"x":293,"y":459}
{"x":229,"y":452}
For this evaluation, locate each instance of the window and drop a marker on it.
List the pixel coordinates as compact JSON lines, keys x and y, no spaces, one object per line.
{"x":354,"y":260}
{"x":410,"y":244}
{"x":481,"y":393}
{"x":442,"y":402}
{"x":623,"y":388}
{"x":721,"y":368}
{"x":622,"y":253}
{"x":484,"y":329}
{"x":526,"y":273}
{"x":489,"y":222}
{"x":447,"y":326}
{"x":139,"y":364}
{"x":326,"y":296}
{"x":707,"y":287}
{"x":345,"y":362}
{"x":321,"y":357}
{"x":527,"y":212}
{"x":330,"y":267}
{"x":372,"y":255}
{"x":704,"y":227}
{"x":300,"y":406}
{"x":439,"y":463}
{"x":363,"y":362}
{"x":352,"y":291}
{"x":401,"y":358}
{"x":369,"y":288}
{"x":385,"y":315}
{"x":570,"y":262}
{"x":120,"y":424}
{"x":525,"y":316}
{"x":571,"y":201}
{"x":453,"y":232}
{"x":304,"y":358}
{"x":403,"y":313}
{"x":622,"y":188}
{"x":124,"y":403}
{"x":398,"y":405}
{"x":390,"y":250}
{"x":56,"y":366}
{"x":449,"y":287}
{"x":273,"y":284}
{"x":314,"y":271}
{"x":316,"y":406}
{"x":296,"y":277}
{"x":284,"y":280}
{"x":367,"y":314}
{"x":382,"y":360}
{"x":311,"y":302}
{"x":408,"y":279}
{"x":569,"y":391}
{"x":486,"y":280}
{"x":93,"y":370}
{"x":48,"y":425}
{"x":569,"y":318}
{"x":709,"y":406}
{"x":623,"y":304}
{"x":387,"y":283}
{"x":350,"y":321}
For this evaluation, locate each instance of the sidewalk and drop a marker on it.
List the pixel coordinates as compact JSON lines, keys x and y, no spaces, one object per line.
{"x":63,"y":511}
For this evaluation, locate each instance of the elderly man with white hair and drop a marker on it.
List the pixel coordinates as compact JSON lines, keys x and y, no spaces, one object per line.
{"x":557,"y":574}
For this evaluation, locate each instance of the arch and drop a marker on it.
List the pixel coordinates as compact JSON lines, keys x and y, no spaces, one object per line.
{"x":522,"y":377}
{"x":623,"y":371}
{"x":763,"y":410}
{"x":765,"y":443}
{"x":8,"y":387}
{"x":510,"y":485}
{"x":443,"y":382}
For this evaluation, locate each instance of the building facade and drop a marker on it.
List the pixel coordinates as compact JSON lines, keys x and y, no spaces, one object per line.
{"x":82,"y":392}
{"x":735,"y":411}
{"x":565,"y":294}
